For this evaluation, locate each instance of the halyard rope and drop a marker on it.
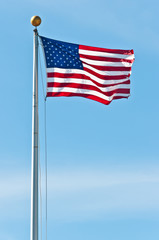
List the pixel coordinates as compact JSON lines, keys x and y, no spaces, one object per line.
{"x":44,"y":97}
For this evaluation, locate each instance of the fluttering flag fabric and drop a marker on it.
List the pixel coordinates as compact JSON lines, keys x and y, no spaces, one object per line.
{"x":99,"y":74}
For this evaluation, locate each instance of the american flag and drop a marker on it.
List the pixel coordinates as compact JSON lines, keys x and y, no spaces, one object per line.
{"x":99,"y":74}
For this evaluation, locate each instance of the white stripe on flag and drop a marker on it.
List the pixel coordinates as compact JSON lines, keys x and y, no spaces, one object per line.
{"x":81,"y":80}
{"x":84,"y":73}
{"x":108,"y":73}
{"x":64,"y":70}
{"x":81,"y":71}
{"x":105,"y":63}
{"x":105,"y":54}
{"x":88,"y":82}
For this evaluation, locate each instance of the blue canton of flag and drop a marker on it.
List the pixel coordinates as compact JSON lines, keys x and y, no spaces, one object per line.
{"x":61,"y":54}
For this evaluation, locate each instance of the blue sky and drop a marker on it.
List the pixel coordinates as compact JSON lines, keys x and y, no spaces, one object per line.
{"x":103,"y":169}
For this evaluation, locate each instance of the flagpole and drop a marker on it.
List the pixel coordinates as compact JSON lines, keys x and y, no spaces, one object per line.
{"x":35,"y":21}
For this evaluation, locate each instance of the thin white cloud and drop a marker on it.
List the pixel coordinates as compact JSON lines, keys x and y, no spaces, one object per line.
{"x":14,"y":185}
{"x":73,"y":181}
{"x":78,"y":194}
{"x":89,"y":194}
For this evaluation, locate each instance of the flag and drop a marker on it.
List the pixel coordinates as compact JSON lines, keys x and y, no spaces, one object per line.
{"x":99,"y":74}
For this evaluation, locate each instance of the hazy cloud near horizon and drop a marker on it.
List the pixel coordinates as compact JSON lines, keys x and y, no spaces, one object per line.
{"x":87,"y":193}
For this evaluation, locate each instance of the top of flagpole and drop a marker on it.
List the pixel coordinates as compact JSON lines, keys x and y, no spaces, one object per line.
{"x":35,"y":21}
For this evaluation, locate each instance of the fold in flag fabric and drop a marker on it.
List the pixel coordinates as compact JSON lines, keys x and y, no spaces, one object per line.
{"x":99,"y":74}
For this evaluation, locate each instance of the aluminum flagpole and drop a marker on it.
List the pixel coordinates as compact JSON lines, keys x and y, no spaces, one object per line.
{"x":35,"y":21}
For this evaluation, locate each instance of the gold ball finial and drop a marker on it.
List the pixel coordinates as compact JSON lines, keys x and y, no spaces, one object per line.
{"x":35,"y":21}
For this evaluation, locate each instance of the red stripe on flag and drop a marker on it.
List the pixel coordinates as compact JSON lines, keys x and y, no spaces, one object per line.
{"x":92,"y":97}
{"x":106,"y":77}
{"x":116,"y":51}
{"x":107,"y":68}
{"x":84,"y":77}
{"x":106,"y":59}
{"x":50,"y":84}
{"x":89,"y":87}
{"x":102,"y":77}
